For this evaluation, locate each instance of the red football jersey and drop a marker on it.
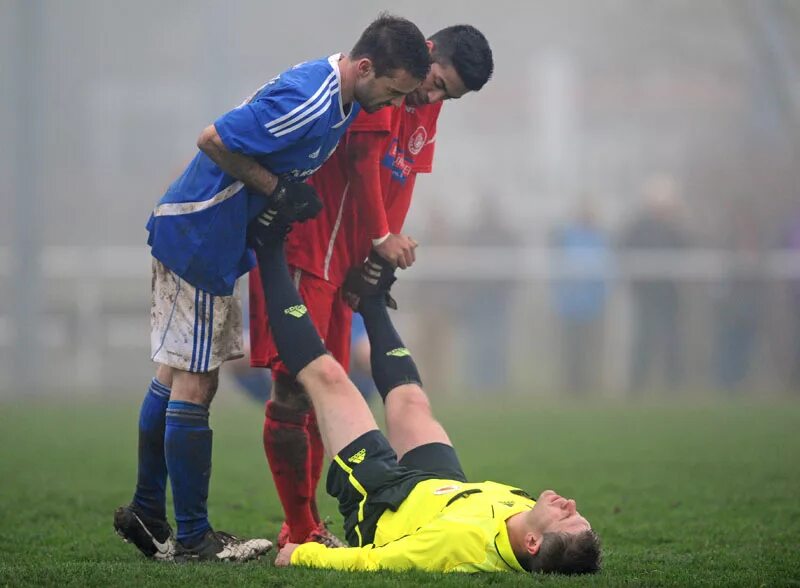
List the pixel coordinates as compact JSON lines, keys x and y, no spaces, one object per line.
{"x":366,"y":188}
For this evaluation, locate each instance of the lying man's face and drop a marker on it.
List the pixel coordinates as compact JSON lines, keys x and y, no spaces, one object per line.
{"x":556,"y":514}
{"x":556,"y":538}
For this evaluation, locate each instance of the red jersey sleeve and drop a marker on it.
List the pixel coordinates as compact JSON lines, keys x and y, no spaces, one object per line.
{"x":365,"y":146}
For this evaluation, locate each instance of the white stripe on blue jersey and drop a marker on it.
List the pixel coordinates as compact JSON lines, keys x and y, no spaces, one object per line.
{"x":324,"y":100}
{"x":177,"y":208}
{"x":316,"y":115}
{"x":291,"y":114}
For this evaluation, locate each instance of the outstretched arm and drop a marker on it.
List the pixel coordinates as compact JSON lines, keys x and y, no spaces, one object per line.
{"x":438,"y":547}
{"x":365,"y":150}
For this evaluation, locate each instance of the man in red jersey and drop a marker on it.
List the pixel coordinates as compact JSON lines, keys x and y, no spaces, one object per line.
{"x":366,"y":188}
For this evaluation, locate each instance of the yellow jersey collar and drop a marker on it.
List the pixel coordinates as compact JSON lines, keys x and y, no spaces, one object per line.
{"x":503,"y":545}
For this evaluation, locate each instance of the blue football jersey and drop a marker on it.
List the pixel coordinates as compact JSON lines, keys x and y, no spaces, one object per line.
{"x":291,"y":125}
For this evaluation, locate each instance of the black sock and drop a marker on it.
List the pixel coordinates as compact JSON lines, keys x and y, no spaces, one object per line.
{"x":392,"y":364}
{"x":294,"y":334}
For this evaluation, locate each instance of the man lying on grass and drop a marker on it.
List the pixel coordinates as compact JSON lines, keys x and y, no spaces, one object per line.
{"x":405,"y":500}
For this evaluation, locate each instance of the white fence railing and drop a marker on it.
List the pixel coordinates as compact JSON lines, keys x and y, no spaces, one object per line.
{"x":93,"y":326}
{"x":460,"y":263}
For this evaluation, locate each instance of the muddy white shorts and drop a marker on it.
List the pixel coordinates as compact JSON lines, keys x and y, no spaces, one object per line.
{"x":191,"y":329}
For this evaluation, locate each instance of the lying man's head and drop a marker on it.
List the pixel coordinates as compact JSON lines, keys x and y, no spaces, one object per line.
{"x":558,"y":539}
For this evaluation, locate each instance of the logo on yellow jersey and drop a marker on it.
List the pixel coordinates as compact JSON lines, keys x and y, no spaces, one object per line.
{"x":359,"y":456}
{"x":399,"y":352}
{"x":296,"y":311}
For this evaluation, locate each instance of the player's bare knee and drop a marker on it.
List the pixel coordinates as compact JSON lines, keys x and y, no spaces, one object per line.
{"x":327,"y":376}
{"x":410,"y":400}
{"x":164,"y":375}
{"x":289,"y":393}
{"x":198,"y":388}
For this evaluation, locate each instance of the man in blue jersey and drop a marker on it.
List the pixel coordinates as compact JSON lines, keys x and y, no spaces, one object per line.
{"x":248,"y":174}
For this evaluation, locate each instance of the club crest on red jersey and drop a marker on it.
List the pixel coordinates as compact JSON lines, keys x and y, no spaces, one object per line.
{"x":417,"y":140}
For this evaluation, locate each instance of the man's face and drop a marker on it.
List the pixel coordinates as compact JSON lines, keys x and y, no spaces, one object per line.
{"x":555,"y":514}
{"x":442,"y":83}
{"x":373,"y":93}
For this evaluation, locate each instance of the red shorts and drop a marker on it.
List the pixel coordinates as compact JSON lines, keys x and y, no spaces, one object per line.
{"x":329,"y":313}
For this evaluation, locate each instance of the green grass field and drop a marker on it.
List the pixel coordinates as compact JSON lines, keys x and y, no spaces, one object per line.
{"x":681,"y":496}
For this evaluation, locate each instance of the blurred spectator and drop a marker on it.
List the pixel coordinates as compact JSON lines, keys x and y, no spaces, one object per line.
{"x":656,"y":300}
{"x":792,"y":242}
{"x":485,"y":305}
{"x":739,"y":301}
{"x":582,"y":258}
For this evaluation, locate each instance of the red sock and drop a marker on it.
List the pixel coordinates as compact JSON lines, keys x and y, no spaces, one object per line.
{"x":317,"y":457}
{"x":287,"y":447}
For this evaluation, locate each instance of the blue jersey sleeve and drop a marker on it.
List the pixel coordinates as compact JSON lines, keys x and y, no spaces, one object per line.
{"x":279,"y":115}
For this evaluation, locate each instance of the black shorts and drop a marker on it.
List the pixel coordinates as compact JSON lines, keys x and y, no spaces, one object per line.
{"x":366,"y":478}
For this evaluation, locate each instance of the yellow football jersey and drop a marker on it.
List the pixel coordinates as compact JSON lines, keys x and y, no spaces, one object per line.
{"x":443,"y":526}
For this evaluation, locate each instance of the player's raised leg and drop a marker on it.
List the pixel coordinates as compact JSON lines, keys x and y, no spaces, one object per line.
{"x":342,"y":414}
{"x":420,"y":441}
{"x":348,"y":428}
{"x":409,"y":420}
{"x":291,"y":438}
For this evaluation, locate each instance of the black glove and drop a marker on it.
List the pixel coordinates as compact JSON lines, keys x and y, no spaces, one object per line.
{"x":288,"y":203}
{"x":373,"y":277}
{"x":294,"y":201}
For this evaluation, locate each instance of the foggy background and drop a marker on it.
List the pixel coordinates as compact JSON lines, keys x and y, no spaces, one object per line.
{"x":616,"y":214}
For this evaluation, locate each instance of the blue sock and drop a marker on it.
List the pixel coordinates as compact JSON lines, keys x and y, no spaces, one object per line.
{"x":187,"y":445}
{"x":150,"y":495}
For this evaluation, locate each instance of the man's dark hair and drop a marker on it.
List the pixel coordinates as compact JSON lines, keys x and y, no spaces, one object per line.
{"x":393,"y":43}
{"x":467,"y":50}
{"x":566,"y":553}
